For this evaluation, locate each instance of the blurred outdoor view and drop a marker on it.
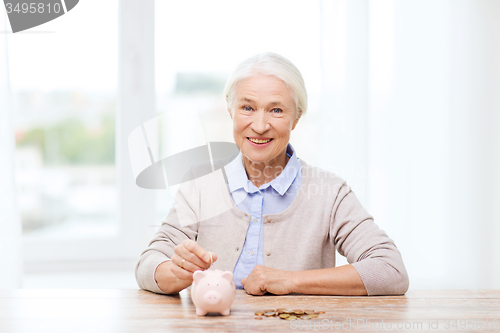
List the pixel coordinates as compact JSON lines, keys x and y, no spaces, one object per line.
{"x":64,"y":106}
{"x":65,"y":153}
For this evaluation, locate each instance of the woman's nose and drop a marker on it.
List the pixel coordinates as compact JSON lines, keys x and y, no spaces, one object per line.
{"x":260,"y":122}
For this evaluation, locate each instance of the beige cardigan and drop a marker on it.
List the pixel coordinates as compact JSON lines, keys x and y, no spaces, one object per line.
{"x":325,"y":215}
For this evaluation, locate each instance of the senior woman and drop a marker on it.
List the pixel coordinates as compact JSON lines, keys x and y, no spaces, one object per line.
{"x":286,"y":218}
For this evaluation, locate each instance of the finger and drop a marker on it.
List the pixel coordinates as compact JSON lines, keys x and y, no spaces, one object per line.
{"x":181,"y":273}
{"x":249,"y":288}
{"x":184,"y":264}
{"x":214,"y":257}
{"x":184,"y":253}
{"x":193,"y":247}
{"x":251,"y":283}
{"x":253,"y":289}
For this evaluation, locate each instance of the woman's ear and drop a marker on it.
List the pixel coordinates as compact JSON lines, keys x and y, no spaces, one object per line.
{"x":228,"y":108}
{"x":296,"y":120}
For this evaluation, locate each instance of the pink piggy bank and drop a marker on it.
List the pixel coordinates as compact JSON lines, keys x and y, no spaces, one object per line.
{"x":213,"y":291}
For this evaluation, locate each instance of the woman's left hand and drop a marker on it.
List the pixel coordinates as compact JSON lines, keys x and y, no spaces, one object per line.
{"x":264,"y":279}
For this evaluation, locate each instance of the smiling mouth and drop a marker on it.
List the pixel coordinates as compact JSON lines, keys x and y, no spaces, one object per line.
{"x":259,"y":141}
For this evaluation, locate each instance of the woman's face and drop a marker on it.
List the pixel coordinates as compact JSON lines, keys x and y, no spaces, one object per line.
{"x":263,"y":114}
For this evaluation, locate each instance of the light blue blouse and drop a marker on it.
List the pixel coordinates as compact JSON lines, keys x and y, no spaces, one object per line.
{"x":270,"y":198}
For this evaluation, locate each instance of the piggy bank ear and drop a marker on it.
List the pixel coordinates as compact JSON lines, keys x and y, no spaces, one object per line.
{"x":198,"y":275}
{"x":228,"y":276}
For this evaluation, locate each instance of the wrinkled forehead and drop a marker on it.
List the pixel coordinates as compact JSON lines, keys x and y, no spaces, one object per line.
{"x":260,"y":88}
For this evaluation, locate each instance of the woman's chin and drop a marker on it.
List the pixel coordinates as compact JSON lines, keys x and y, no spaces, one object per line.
{"x":256,"y":157}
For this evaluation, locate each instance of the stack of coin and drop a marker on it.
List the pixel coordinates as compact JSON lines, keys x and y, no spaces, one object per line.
{"x":287,"y":314}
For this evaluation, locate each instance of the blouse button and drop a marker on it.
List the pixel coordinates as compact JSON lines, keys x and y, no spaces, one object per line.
{"x":268,"y":253}
{"x":255,"y":219}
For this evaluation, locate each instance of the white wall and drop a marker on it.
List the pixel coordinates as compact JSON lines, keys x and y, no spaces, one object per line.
{"x":475,"y":148}
{"x":433,"y":128}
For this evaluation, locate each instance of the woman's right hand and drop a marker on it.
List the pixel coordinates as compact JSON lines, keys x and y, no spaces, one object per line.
{"x":190,"y":257}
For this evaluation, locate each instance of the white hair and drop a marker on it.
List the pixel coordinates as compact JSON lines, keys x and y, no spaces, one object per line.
{"x":269,"y":63}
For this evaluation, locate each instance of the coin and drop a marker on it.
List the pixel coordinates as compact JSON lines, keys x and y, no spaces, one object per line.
{"x":288,"y":314}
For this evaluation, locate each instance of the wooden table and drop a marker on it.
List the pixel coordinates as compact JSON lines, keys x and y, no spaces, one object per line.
{"x":109,"y":311}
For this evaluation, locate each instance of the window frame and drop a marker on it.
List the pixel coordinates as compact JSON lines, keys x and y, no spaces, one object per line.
{"x":135,"y":104}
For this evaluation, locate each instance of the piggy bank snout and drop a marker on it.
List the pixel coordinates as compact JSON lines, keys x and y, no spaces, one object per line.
{"x":212,"y":297}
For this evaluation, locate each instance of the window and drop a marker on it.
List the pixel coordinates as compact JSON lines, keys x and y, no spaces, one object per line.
{"x":64,"y":106}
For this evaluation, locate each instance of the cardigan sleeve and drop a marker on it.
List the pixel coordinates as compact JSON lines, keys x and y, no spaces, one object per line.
{"x":181,"y":223}
{"x":368,"y":248}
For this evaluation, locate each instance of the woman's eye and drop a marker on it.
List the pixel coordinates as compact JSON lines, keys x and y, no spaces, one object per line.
{"x":276,"y":110}
{"x":247,"y":108}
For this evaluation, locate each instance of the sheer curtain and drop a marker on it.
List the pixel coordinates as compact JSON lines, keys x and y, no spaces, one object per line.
{"x":434,"y":137}
{"x":411,"y":120}
{"x":10,"y":227}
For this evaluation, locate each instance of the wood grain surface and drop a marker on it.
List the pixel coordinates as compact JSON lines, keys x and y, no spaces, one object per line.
{"x":26,"y":310}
